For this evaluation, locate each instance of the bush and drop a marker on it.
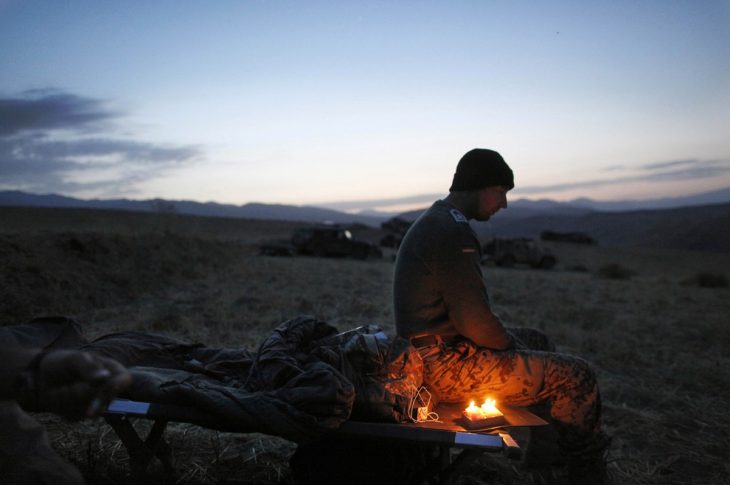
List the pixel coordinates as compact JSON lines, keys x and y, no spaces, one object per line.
{"x":707,"y":280}
{"x":578,"y":267}
{"x":615,"y":271}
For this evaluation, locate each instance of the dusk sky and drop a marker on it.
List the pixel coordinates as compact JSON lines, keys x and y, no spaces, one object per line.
{"x":357,"y":105}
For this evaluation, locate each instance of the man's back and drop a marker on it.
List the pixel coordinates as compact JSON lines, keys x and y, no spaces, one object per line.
{"x":437,"y":265}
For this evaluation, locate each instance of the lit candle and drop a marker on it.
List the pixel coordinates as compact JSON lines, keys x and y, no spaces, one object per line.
{"x":487,"y":411}
{"x":472,"y":411}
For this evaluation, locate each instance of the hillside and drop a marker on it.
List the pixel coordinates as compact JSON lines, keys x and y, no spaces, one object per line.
{"x":703,"y":228}
{"x":40,"y":220}
{"x":251,"y":210}
{"x":518,"y":209}
{"x":199,"y":279}
{"x":697,"y":228}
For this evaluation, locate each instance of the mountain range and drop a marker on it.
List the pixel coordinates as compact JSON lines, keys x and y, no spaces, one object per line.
{"x":702,"y":228}
{"x":720,"y":196}
{"x":252,"y":210}
{"x":697,"y":222}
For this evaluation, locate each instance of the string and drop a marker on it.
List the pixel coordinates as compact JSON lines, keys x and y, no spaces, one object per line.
{"x":421,"y":398}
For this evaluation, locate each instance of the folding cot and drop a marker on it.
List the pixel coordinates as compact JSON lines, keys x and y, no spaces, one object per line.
{"x":448,"y":433}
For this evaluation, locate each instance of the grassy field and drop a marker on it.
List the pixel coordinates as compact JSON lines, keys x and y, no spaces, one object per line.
{"x":659,"y":340}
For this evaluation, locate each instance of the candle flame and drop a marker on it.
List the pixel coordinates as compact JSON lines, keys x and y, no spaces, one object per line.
{"x":486,"y":410}
{"x":489,"y":407}
{"x":472,"y":408}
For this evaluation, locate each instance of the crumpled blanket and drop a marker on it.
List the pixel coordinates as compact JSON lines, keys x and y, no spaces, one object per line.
{"x":305,"y":378}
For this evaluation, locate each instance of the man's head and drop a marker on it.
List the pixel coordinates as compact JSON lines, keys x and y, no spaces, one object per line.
{"x":480,"y":168}
{"x":481,"y":183}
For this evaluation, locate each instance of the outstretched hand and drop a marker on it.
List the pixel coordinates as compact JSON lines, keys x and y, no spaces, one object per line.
{"x":77,"y":384}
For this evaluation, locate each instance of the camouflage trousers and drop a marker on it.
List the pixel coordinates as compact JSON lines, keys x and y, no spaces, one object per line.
{"x":532,"y":374}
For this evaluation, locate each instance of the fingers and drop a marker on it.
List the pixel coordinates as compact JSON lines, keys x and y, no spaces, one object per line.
{"x":71,"y":401}
{"x":77,"y":384}
{"x":118,"y":381}
{"x":116,"y":371}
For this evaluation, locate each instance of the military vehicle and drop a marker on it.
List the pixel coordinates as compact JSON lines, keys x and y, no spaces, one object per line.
{"x":395,"y":228}
{"x":508,"y":252}
{"x":571,"y":237}
{"x":329,"y":241}
{"x":332,"y":241}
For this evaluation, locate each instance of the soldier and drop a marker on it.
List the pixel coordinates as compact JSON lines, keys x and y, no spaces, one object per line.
{"x":68,"y":382}
{"x":442,"y":305}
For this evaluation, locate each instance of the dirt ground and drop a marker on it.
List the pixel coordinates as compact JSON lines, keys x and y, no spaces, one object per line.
{"x":658,"y":339}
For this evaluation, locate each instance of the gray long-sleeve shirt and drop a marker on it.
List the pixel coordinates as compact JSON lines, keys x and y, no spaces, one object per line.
{"x":438,"y":287}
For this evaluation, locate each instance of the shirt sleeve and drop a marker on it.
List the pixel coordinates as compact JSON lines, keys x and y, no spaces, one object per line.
{"x":464,"y":292}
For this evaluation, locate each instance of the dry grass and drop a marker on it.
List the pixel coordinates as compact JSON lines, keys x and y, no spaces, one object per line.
{"x":660,"y":346}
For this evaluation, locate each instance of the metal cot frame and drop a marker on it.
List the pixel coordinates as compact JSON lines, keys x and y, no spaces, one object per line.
{"x":447,"y":434}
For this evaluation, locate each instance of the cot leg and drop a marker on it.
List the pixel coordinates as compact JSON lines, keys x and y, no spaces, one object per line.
{"x":142,"y":452}
{"x":449,"y":468}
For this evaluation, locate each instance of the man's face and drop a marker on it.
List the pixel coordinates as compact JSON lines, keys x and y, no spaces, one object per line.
{"x":490,"y":201}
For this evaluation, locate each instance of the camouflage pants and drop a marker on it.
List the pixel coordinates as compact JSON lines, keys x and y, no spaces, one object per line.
{"x":462,"y":371}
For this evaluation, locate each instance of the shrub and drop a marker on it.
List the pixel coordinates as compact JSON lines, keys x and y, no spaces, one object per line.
{"x":578,"y":267}
{"x":707,"y":280}
{"x":615,"y":271}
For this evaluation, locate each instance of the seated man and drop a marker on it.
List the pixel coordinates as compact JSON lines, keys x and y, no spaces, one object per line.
{"x":71,"y":383}
{"x":441,"y":304}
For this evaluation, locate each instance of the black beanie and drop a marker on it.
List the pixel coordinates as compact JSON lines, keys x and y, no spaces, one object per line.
{"x":480,"y":168}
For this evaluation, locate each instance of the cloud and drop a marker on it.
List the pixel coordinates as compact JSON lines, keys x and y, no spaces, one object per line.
{"x":674,"y":170}
{"x":671,"y":163}
{"x":381,"y":203}
{"x":691,"y":169}
{"x":58,"y":142}
{"x":50,"y":110}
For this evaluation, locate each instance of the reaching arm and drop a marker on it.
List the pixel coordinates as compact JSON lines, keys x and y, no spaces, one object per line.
{"x":68,"y":382}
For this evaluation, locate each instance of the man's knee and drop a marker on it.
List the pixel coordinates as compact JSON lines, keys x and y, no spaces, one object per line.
{"x":569,"y":371}
{"x":533,"y":338}
{"x":584,"y":375}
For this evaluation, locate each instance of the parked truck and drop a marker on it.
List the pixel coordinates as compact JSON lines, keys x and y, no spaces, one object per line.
{"x":508,"y":252}
{"x":322,"y":241}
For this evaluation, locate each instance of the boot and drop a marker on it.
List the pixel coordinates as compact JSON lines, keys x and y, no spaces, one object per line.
{"x":587,"y":464}
{"x":588,"y":470}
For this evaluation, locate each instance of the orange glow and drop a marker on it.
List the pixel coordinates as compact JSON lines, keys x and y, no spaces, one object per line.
{"x":487,"y":410}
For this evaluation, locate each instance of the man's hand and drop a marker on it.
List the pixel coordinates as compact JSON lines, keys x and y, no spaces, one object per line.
{"x":77,"y":384}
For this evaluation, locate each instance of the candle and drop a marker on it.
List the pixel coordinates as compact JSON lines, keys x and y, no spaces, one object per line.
{"x":485,"y":415}
{"x":489,"y":409}
{"x":472,"y":411}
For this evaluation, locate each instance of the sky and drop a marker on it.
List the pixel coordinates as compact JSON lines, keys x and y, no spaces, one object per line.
{"x":362,"y":105}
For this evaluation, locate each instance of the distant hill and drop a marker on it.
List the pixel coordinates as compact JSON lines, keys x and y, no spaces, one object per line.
{"x":721,"y":196}
{"x":211,"y":209}
{"x":702,"y":228}
{"x":521,"y":208}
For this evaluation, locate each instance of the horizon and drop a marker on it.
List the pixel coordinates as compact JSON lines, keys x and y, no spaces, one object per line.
{"x":354,"y":207}
{"x":365,"y":106}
